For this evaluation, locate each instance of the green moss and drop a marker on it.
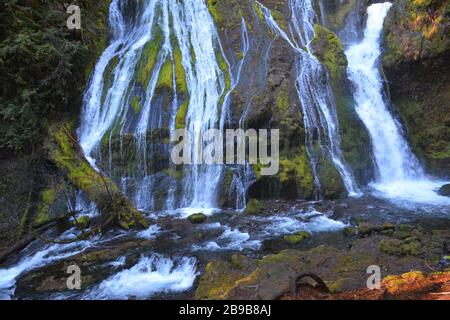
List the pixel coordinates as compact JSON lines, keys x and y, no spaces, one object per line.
{"x":115,"y":207}
{"x":279,"y":18}
{"x":136,"y":104}
{"x":47,"y":198}
{"x":254,"y":206}
{"x":218,"y":279}
{"x":297,"y":238}
{"x":197,"y":218}
{"x":283,"y":100}
{"x":165,"y":79}
{"x":295,"y":168}
{"x":181,"y":115}
{"x":180,"y":73}
{"x":223,"y":65}
{"x":148,"y":58}
{"x":212,"y":6}
{"x":258,"y":11}
{"x":329,"y":50}
{"x":365,"y":228}
{"x":82,"y":222}
{"x":410,"y":246}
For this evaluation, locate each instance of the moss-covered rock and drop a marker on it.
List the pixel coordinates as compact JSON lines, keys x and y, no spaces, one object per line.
{"x":366,"y":228}
{"x":297,"y":237}
{"x":410,"y":246}
{"x":254,"y":206}
{"x":329,"y":50}
{"x":197,"y":218}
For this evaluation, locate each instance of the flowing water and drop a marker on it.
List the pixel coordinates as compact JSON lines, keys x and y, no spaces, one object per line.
{"x":400,"y":175}
{"x":314,"y":91}
{"x":159,"y":35}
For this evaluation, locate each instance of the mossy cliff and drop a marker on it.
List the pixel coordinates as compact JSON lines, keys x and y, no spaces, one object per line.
{"x":417,"y":69}
{"x":355,"y":142}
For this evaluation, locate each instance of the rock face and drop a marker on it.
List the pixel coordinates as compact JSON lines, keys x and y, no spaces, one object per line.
{"x":445,"y":190}
{"x":416,"y":64}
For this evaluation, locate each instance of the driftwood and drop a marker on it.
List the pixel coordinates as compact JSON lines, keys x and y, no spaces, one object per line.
{"x":295,"y":284}
{"x":320,"y":284}
{"x":33,"y":235}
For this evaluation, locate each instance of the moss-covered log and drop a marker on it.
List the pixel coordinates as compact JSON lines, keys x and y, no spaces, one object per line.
{"x":115,"y":208}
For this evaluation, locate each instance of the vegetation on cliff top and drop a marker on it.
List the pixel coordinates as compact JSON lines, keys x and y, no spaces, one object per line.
{"x":416,"y":29}
{"x":40,"y":61}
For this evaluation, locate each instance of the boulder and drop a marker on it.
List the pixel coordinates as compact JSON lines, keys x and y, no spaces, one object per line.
{"x":445,"y":190}
{"x":197,"y":218}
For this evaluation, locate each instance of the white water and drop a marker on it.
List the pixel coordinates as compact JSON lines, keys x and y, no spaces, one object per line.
{"x":151,"y":275}
{"x":32,"y":260}
{"x":315,"y":94}
{"x":400,"y":175}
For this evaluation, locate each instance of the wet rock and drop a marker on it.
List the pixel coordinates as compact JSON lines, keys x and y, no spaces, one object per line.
{"x":445,"y":190}
{"x":197,"y":218}
{"x":297,"y":238}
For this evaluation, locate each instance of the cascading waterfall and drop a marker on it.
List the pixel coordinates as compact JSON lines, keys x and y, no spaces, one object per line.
{"x":164,"y":42}
{"x":315,"y":94}
{"x":400,"y":175}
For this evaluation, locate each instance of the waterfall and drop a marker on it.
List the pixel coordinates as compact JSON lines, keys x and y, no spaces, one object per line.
{"x":160,"y":50}
{"x":400,"y":175}
{"x":314,"y":91}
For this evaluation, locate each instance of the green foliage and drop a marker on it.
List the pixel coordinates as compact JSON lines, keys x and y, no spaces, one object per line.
{"x":40,"y":61}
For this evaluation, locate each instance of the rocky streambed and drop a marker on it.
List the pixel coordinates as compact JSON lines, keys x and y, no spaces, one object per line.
{"x":235,"y":255}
